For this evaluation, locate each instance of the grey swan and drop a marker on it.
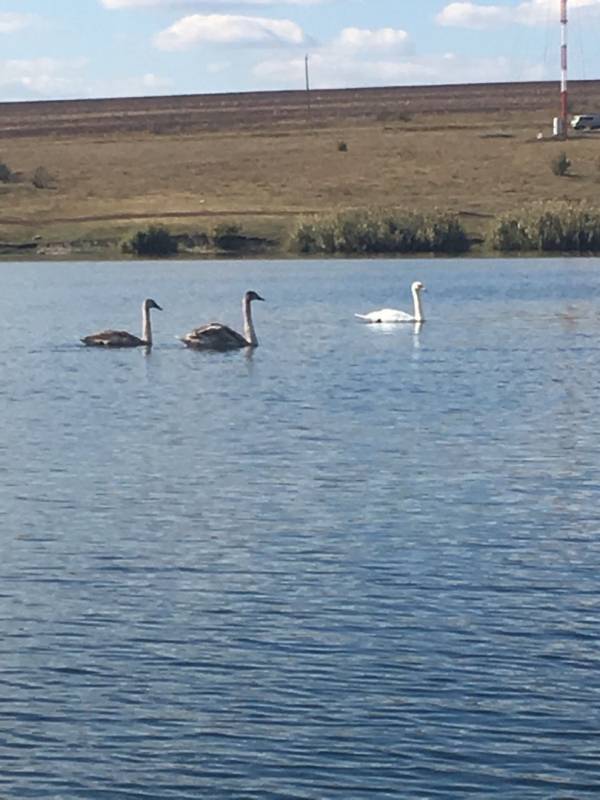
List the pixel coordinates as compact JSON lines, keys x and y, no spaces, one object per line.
{"x":110,"y":338}
{"x":215,"y":336}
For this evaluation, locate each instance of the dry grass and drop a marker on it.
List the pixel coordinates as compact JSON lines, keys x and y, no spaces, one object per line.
{"x":264,"y":175}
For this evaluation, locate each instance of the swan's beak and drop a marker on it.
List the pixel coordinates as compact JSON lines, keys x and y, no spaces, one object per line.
{"x":157,"y":307}
{"x":258,"y":297}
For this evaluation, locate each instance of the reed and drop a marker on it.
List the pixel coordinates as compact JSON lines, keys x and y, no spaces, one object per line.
{"x":378,"y":231}
{"x":548,"y":227}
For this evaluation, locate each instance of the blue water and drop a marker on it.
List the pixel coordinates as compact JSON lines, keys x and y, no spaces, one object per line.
{"x":362,"y":563}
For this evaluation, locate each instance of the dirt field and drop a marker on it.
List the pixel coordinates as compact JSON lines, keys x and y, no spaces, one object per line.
{"x":263,"y":159}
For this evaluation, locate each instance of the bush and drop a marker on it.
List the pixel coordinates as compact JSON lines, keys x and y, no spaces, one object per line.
{"x":42,"y":179}
{"x":228,"y":236}
{"x":342,"y":147}
{"x":509,"y":235}
{"x":155,"y":241}
{"x":380,"y":231}
{"x":191,"y":240}
{"x":560,"y":164}
{"x":549,"y":227}
{"x":6,"y":174}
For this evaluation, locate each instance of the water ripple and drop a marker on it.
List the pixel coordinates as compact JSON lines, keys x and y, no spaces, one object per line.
{"x":362,"y":563}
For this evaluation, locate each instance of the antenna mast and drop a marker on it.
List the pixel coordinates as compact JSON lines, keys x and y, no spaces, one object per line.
{"x":564,"y":104}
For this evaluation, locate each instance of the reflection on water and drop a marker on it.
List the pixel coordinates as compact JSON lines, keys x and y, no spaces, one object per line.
{"x":359,"y":561}
{"x":396,"y":328}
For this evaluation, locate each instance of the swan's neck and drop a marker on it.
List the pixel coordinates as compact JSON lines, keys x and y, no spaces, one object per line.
{"x":249,"y":332}
{"x":417,"y":303}
{"x":146,"y":326}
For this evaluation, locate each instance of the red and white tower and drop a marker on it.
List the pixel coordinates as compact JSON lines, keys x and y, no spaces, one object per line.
{"x":564,"y":105}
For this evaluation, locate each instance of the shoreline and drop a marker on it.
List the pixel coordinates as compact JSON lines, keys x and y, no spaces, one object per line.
{"x":20,"y":256}
{"x":81,"y":178}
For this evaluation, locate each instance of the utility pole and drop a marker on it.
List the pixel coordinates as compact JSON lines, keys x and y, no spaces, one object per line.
{"x":307,"y":85}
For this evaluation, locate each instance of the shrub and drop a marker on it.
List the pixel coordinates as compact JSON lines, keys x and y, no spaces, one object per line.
{"x":342,"y":147}
{"x":6,"y":174}
{"x":155,"y":241}
{"x":42,"y":179}
{"x":550,"y":227}
{"x":560,"y":164}
{"x":509,"y":235}
{"x":228,"y":236}
{"x":191,"y":240}
{"x":380,"y":231}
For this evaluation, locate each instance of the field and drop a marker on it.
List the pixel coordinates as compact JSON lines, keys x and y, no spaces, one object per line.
{"x":262,"y":160}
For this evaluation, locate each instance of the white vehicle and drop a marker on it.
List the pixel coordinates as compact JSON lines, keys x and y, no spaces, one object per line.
{"x":582,"y":122}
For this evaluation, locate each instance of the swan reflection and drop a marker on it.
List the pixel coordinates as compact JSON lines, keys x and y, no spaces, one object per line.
{"x":392,"y":328}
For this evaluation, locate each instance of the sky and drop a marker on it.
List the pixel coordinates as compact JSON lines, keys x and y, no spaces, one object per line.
{"x":55,"y":49}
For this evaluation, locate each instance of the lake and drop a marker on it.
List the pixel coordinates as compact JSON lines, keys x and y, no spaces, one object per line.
{"x":359,"y":562}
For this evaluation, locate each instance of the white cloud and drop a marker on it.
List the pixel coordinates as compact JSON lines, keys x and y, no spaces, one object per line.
{"x":356,"y":39}
{"x":379,"y":57}
{"x":40,"y":77}
{"x":49,"y":78}
{"x":152,"y":81}
{"x":530,"y":12}
{"x":328,"y":70}
{"x":133,"y":86}
{"x":228,"y":29}
{"x":120,"y":4}
{"x":11,"y":22}
{"x":541,"y":12}
{"x":471,"y":15}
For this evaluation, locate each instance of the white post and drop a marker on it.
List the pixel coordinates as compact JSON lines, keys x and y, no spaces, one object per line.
{"x":307,"y":85}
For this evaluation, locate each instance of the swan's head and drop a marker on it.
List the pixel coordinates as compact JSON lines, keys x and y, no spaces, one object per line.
{"x":252,"y":296}
{"x":149,"y":303}
{"x":417,"y":286}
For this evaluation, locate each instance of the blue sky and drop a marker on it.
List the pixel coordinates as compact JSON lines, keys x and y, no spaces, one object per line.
{"x":51,"y":49}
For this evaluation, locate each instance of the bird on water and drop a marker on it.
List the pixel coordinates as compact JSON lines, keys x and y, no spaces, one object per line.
{"x":394,"y":315}
{"x":112,"y":338}
{"x":216,"y":336}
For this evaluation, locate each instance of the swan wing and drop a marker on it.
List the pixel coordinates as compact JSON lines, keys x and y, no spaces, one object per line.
{"x":110,"y":338}
{"x":386,"y":315}
{"x":214,"y":336}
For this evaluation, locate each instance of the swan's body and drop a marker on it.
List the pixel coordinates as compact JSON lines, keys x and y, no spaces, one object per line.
{"x":215,"y":336}
{"x":393,"y":315}
{"x":110,"y":338}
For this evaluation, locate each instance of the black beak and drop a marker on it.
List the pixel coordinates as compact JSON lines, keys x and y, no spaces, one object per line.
{"x":157,"y":306}
{"x":258,"y":297}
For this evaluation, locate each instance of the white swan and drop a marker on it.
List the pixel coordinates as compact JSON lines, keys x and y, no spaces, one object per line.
{"x":215,"y":336}
{"x":110,"y":338}
{"x":393,"y":315}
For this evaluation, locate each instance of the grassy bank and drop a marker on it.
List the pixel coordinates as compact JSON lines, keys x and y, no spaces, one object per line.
{"x":103,"y":186}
